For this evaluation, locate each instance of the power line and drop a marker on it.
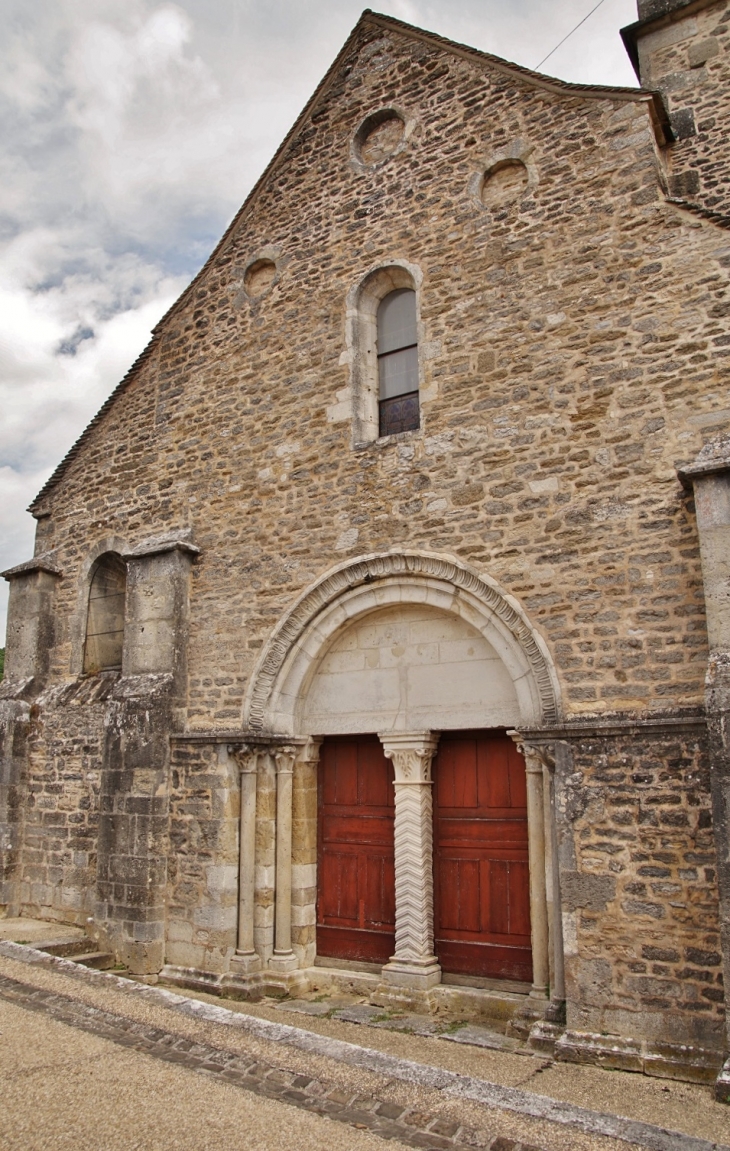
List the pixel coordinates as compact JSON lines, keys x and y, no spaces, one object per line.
{"x":572,"y":30}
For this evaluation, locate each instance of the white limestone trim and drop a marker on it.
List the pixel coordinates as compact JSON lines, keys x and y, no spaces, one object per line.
{"x":248,"y":762}
{"x":276,"y":692}
{"x":414,"y":962}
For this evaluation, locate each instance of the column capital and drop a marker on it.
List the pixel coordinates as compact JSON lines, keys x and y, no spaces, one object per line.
{"x":537,"y":755}
{"x":412,"y":754}
{"x":247,"y":759}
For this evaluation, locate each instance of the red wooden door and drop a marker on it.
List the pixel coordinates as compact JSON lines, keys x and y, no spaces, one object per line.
{"x":481,"y":874}
{"x":356,"y":872}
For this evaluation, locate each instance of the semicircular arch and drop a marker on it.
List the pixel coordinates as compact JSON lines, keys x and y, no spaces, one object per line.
{"x":355,"y":589}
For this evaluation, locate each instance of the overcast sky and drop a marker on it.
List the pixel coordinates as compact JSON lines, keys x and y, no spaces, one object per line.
{"x":132,"y":131}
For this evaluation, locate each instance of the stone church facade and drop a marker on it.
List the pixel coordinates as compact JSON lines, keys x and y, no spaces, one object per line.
{"x":378,"y":630}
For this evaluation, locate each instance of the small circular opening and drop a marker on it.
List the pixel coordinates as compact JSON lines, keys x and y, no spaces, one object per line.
{"x":379,"y":136}
{"x":259,"y":277}
{"x":504,"y":183}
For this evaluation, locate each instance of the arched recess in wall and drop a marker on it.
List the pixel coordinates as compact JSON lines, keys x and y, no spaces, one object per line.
{"x":104,"y":639}
{"x":363,"y":304}
{"x":441,"y":603}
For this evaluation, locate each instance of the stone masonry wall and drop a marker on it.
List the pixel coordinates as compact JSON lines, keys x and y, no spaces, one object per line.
{"x":640,"y":893}
{"x":574,"y":350}
{"x":202,"y":876}
{"x":568,"y":375}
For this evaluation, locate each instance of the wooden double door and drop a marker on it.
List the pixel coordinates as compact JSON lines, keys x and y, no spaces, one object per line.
{"x":481,"y":875}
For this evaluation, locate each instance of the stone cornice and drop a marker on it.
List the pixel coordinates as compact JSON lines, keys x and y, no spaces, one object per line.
{"x":616,"y":725}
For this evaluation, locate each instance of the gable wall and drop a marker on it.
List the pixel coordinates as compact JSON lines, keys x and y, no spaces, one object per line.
{"x":567,"y":375}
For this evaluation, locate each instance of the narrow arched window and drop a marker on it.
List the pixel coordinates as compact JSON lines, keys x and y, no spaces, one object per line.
{"x":105,"y":617}
{"x":398,"y":362}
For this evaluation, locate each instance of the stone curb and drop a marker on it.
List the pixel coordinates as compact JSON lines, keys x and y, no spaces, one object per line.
{"x":493,"y":1095}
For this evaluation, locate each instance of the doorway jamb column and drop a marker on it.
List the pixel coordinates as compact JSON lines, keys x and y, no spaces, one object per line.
{"x":414,"y":965}
{"x":246,"y":959}
{"x":283,"y":958}
{"x":537,"y":861}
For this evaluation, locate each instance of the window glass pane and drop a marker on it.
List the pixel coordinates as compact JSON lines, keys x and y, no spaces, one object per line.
{"x":399,"y":415}
{"x":397,"y":321}
{"x":398,"y":373}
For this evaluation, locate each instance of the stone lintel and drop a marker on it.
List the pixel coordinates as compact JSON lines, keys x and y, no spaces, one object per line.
{"x":30,"y":567}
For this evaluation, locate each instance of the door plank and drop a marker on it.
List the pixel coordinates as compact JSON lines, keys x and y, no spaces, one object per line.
{"x":356,"y":866}
{"x":481,"y":873}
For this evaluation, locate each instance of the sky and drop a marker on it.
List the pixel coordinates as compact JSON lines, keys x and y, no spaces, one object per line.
{"x":132,"y":131}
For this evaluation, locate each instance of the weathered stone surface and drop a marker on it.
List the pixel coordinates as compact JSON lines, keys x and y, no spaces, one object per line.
{"x":573,"y":343}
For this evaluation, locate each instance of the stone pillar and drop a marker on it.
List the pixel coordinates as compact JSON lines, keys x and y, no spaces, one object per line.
{"x":548,"y":965}
{"x":709,"y":478}
{"x":145,"y":708}
{"x":246,"y":959}
{"x":156,"y":609}
{"x":30,"y":638}
{"x":538,"y":885}
{"x":304,"y":854}
{"x":414,"y":966}
{"x":283,"y":958}
{"x":30,"y":634}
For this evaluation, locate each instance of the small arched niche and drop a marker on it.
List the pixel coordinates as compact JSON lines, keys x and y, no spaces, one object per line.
{"x":104,"y":641}
{"x":394,"y":282}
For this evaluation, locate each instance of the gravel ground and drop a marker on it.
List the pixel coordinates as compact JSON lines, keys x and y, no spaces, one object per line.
{"x":103,"y":994}
{"x":65,"y":1090}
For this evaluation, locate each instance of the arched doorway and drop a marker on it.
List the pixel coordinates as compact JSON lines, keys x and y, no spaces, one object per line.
{"x":409,"y":647}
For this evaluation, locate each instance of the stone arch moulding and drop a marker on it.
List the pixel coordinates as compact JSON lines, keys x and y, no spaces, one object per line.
{"x":357,"y":588}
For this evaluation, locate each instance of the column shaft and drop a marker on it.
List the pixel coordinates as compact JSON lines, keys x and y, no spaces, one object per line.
{"x":283,"y":957}
{"x":538,"y":902}
{"x":414,"y":964}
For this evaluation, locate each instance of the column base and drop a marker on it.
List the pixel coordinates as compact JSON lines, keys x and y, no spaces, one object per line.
{"x":416,"y":975}
{"x":245,"y":962}
{"x":283,"y":961}
{"x":407,"y":985}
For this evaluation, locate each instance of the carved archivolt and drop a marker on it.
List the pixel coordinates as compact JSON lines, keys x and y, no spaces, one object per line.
{"x":412,"y":567}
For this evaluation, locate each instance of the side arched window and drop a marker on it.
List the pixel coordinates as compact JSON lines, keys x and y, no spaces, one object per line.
{"x":397,"y":342}
{"x":105,"y":617}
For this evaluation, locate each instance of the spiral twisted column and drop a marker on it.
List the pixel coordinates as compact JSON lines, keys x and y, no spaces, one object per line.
{"x":414,"y":964}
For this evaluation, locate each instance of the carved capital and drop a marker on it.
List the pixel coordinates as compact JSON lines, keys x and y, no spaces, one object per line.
{"x":247,"y":758}
{"x":537,"y":755}
{"x":284,"y":757}
{"x":412,"y":754}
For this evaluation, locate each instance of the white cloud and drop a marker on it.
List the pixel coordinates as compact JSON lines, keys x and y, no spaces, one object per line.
{"x":132,"y":131}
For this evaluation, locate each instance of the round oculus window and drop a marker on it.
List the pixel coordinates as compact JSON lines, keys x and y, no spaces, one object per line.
{"x":379,"y":136}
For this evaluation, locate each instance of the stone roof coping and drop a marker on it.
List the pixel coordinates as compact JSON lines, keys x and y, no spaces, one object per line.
{"x":37,"y":564}
{"x":713,"y":459}
{"x":159,"y":547}
{"x":653,"y":14}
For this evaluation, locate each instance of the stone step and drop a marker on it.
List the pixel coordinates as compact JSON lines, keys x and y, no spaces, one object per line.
{"x":67,"y":948}
{"x":100,"y":960}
